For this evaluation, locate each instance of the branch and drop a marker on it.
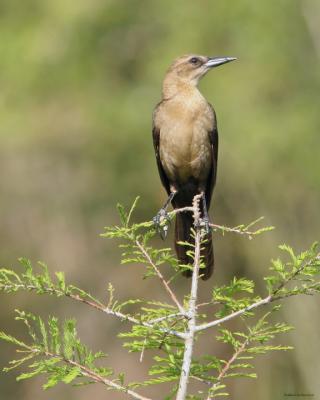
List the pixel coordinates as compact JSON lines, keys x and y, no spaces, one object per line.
{"x":259,"y":303}
{"x":244,"y":229}
{"x":98,"y":306}
{"x":166,"y":317}
{"x":240,"y":229}
{"x":125,"y":317}
{"x":161,"y":277}
{"x":272,"y":297}
{"x":226,"y":368}
{"x":179,"y":363}
{"x":192,"y":309}
{"x":85,"y":371}
{"x":292,"y":277}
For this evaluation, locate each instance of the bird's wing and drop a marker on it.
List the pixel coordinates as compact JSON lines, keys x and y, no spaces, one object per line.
{"x":213,"y":137}
{"x":156,"y":145}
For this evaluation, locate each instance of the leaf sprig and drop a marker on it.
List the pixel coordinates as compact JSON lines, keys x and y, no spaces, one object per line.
{"x":167,"y":330}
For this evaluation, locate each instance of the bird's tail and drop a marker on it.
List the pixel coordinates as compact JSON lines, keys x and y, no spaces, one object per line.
{"x":184,"y":223}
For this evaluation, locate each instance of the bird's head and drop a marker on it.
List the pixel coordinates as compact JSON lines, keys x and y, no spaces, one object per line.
{"x":191,"y":68}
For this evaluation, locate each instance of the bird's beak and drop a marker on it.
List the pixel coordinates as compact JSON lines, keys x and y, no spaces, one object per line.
{"x":216,"y":61}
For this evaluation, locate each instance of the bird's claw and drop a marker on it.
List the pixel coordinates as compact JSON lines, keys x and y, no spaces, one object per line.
{"x":205,"y":223}
{"x":162,"y":222}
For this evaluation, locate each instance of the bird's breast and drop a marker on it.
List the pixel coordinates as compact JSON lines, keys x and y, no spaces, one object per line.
{"x":185,"y":148}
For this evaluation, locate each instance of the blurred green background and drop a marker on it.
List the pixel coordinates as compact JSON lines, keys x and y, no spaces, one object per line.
{"x":79,"y":81}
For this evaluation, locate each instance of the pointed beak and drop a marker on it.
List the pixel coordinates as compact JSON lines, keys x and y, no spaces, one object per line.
{"x":216,"y":61}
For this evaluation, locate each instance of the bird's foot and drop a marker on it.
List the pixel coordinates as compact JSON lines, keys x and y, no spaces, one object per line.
{"x":205,"y":224}
{"x":162,"y":222}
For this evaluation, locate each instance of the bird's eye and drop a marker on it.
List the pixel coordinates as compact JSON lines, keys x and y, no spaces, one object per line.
{"x":194,"y":60}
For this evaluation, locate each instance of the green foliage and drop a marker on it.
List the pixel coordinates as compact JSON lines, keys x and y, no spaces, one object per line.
{"x":136,"y":249}
{"x":296,"y":276}
{"x":245,"y":229}
{"x":54,"y":351}
{"x":231,"y":296}
{"x":160,"y":327}
{"x":38,"y":280}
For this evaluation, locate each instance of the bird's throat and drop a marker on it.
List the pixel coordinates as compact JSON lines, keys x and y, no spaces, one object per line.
{"x":173,"y":86}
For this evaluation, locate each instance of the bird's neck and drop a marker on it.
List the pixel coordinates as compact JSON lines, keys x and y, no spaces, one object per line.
{"x":172,"y":86}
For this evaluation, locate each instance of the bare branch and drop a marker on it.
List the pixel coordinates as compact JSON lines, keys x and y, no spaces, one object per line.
{"x":244,"y":229}
{"x":259,"y":303}
{"x":181,"y":210}
{"x":100,"y":307}
{"x":85,"y":371}
{"x":125,"y":317}
{"x":240,"y":229}
{"x":170,"y":316}
{"x":192,"y":309}
{"x":161,"y":277}
{"x":227,"y":366}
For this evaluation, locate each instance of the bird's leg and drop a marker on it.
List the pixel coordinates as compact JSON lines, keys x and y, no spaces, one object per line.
{"x":205,"y":218}
{"x":162,"y":215}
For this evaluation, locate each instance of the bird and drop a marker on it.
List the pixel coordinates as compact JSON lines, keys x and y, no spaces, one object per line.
{"x":185,"y":139}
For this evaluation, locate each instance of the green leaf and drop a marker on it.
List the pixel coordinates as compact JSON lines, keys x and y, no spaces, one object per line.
{"x":69,"y":333}
{"x":28,"y":375}
{"x":133,"y":207}
{"x":43,"y":334}
{"x":8,"y":338}
{"x":72,"y":374}
{"x":241,"y":375}
{"x":61,"y":281}
{"x":122,"y":213}
{"x":52,"y":381}
{"x":55,"y":335}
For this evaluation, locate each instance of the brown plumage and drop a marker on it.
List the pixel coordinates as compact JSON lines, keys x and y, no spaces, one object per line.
{"x":185,"y":140}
